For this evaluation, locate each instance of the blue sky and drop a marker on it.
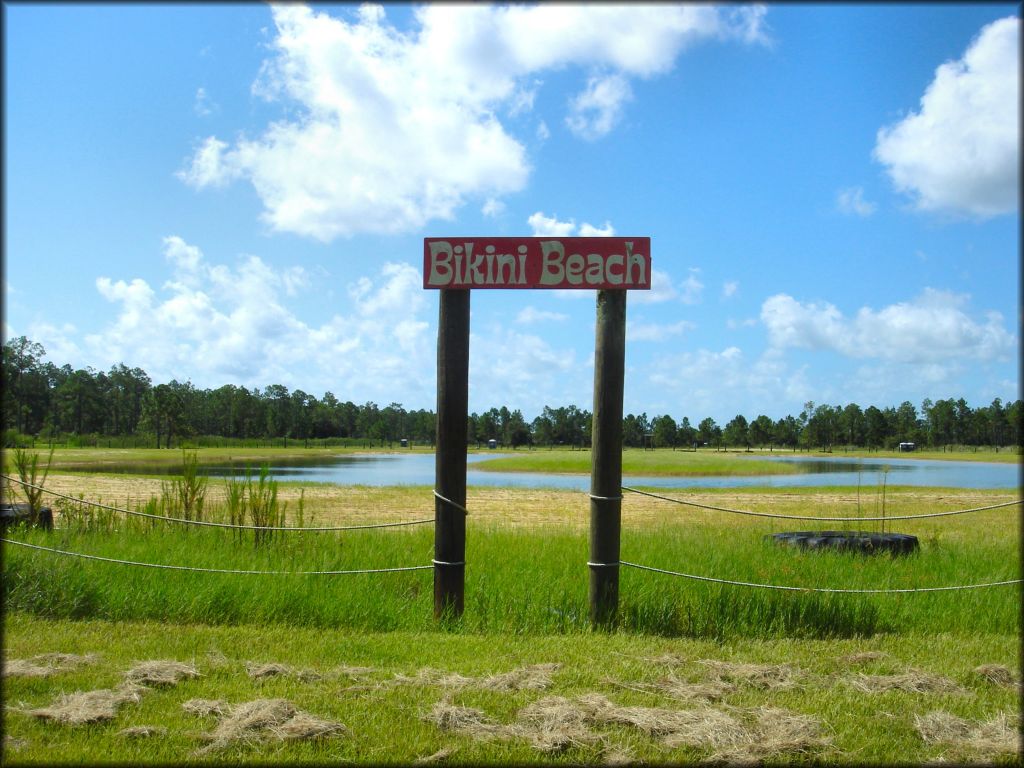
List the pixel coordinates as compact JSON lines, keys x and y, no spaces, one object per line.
{"x":238,"y":194}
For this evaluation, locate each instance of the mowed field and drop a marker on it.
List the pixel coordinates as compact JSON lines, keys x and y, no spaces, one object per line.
{"x":108,"y":663}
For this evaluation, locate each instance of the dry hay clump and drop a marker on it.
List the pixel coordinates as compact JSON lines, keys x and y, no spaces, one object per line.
{"x":89,"y":706}
{"x":997,"y":674}
{"x":912,"y":681}
{"x":45,"y":664}
{"x":256,"y":720}
{"x":984,"y":739}
{"x":555,"y":723}
{"x":770,"y":677}
{"x":161,"y":672}
{"x":204,"y":707}
{"x":535,"y":677}
{"x":265,"y":671}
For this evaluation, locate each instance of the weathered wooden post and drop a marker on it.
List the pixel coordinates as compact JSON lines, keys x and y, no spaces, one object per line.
{"x":450,"y":456}
{"x":606,"y":459}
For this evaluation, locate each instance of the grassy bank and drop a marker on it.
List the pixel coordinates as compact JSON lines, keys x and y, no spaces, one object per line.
{"x":466,"y":699}
{"x":639,"y":462}
{"x":532,"y":578}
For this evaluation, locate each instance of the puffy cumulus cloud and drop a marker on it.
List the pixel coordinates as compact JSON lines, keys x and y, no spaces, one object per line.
{"x":851,"y":200}
{"x":218,"y":324}
{"x":724,"y":383}
{"x":384,"y":130}
{"x":933,"y":328}
{"x":961,"y":151}
{"x":506,"y":366}
{"x":550,"y":226}
{"x":729,"y":288}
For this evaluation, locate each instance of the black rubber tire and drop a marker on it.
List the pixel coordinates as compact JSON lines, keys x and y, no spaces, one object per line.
{"x":847,"y":541}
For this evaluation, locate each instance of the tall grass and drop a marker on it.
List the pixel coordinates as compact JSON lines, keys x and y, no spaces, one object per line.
{"x":517,"y":582}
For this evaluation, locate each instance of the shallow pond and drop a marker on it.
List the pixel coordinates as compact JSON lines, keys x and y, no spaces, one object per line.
{"x":418,"y":469}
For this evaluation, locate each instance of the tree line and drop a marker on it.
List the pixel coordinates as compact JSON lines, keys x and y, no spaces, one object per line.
{"x":44,"y":401}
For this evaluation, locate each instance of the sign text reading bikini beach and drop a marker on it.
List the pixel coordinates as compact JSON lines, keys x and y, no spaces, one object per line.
{"x":615,"y":263}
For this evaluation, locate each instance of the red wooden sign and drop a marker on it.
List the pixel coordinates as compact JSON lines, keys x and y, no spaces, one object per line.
{"x":616,"y":263}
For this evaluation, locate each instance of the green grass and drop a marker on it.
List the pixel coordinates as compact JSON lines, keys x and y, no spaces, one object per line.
{"x":387,"y":725}
{"x":518,"y":581}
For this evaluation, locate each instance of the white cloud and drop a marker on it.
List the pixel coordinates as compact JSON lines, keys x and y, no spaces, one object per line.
{"x":545,"y":226}
{"x":589,"y":230}
{"x":961,"y":151}
{"x":210,"y":166}
{"x":729,"y":288}
{"x":384,"y":130}
{"x":693,"y":288}
{"x":202,"y":105}
{"x":596,"y":110}
{"x":232,"y":324}
{"x":510,"y":367}
{"x":851,"y":200}
{"x":543,"y":132}
{"x":661,"y":290}
{"x":493,"y":208}
{"x":933,"y":328}
{"x":530,"y":314}
{"x":640,"y":331}
{"x":550,"y":226}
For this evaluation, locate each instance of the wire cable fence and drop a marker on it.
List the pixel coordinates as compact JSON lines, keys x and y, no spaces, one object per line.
{"x":787,"y":588}
{"x":885,"y":518}
{"x":214,"y":570}
{"x":813,"y":589}
{"x":208,"y":524}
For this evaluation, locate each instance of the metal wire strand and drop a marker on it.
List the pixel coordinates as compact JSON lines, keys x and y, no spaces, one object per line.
{"x":808,"y":517}
{"x":215,"y":570}
{"x":183,"y":521}
{"x":819,"y":589}
{"x":448,"y":501}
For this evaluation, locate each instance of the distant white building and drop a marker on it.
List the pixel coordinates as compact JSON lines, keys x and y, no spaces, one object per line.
{"x":907,"y":447}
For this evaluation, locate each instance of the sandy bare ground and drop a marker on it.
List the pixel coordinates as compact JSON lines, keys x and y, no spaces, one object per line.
{"x":524,"y":507}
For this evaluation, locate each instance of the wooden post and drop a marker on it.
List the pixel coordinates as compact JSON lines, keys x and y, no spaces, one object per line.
{"x":606,"y":457}
{"x":450,"y":456}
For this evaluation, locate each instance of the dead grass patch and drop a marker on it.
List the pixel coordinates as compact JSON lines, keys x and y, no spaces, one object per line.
{"x":161,"y":672}
{"x":863,"y":657}
{"x":535,"y":677}
{"x":555,"y":724}
{"x":256,"y":720}
{"x":89,"y":706}
{"x":205,"y":707}
{"x":912,"y":681}
{"x":711,"y":690}
{"x":468,"y":721}
{"x":997,"y":674}
{"x":45,"y":664}
{"x":984,"y":738}
{"x":774,"y":732}
{"x":769,"y":677}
